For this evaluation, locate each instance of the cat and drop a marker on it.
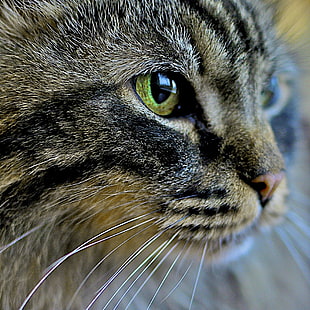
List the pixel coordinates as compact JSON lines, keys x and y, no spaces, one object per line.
{"x":146,"y":152}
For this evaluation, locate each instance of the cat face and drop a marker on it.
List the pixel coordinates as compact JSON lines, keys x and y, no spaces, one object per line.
{"x":77,"y":112}
{"x":119,"y":112}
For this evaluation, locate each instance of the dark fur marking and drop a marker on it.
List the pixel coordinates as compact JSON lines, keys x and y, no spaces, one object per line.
{"x":210,"y":211}
{"x":214,"y":22}
{"x":153,"y":143}
{"x":193,"y":211}
{"x":30,"y":192}
{"x":205,"y":194}
{"x":193,"y":227}
{"x":43,"y":125}
{"x":225,"y":208}
{"x":243,"y":32}
{"x":209,"y":143}
{"x":260,"y":45}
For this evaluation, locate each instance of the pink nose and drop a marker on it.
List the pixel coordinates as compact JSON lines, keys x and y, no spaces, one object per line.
{"x":266,"y":184}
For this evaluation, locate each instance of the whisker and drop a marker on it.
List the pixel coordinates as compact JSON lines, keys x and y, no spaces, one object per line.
{"x":153,"y":258}
{"x":133,"y":273}
{"x":129,"y":260}
{"x":155,"y":269}
{"x":296,"y":220}
{"x":294,"y":230}
{"x":85,"y":218}
{"x":295,"y":254}
{"x":165,"y":277}
{"x":298,"y":238}
{"x":122,"y":267}
{"x":93,"y":191}
{"x":301,"y":212}
{"x":185,"y":257}
{"x":104,"y":258}
{"x":182,"y":277}
{"x":184,"y":197}
{"x":108,"y":196}
{"x":80,"y":248}
{"x":90,"y":191}
{"x":26,"y":234}
{"x":178,"y":283}
{"x":31,"y":168}
{"x":115,"y":227}
{"x":198,"y":275}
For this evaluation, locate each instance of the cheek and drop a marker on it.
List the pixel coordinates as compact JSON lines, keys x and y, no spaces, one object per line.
{"x":107,"y":199}
{"x":144,"y":146}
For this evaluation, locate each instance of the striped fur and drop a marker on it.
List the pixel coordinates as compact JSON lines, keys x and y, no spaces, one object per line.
{"x":82,"y":156}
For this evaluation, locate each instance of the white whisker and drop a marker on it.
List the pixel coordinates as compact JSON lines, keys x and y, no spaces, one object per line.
{"x":133,"y":273}
{"x":26,"y":234}
{"x":122,"y":267}
{"x":198,"y":275}
{"x":86,"y":216}
{"x":299,"y":223}
{"x":300,"y":197}
{"x":80,"y":248}
{"x":298,"y":238}
{"x":165,"y":277}
{"x":106,"y":256}
{"x":154,"y":256}
{"x":298,"y":259}
{"x":128,"y":261}
{"x":154,"y":270}
{"x":42,"y":163}
{"x":184,"y":197}
{"x":178,"y":283}
{"x":183,"y":276}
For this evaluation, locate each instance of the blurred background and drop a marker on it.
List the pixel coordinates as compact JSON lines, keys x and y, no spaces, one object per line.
{"x":294,"y":25}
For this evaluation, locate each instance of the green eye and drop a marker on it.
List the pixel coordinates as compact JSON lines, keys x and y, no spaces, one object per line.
{"x":159,"y":92}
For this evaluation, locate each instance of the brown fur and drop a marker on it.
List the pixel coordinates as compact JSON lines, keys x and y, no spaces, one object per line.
{"x":82,"y":156}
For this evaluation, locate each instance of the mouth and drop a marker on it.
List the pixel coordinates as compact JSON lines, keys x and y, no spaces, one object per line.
{"x":224,"y":221}
{"x":223,"y":242}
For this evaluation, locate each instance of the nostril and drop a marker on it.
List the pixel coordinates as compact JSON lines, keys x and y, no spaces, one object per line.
{"x":266,"y":184}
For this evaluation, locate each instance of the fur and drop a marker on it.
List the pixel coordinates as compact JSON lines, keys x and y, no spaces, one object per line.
{"x":90,"y":174}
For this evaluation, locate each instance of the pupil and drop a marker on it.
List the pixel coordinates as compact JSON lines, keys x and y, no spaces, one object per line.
{"x":161,"y":87}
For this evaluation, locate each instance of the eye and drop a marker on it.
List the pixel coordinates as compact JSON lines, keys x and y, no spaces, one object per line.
{"x":272,"y":93}
{"x":159,"y":92}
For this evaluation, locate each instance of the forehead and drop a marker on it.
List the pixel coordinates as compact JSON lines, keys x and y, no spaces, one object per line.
{"x":180,"y":35}
{"x":125,"y":38}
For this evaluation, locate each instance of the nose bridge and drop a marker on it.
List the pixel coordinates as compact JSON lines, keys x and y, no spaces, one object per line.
{"x":253,"y":150}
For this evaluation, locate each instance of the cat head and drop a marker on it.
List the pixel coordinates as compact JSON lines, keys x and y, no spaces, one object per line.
{"x":114,"y":112}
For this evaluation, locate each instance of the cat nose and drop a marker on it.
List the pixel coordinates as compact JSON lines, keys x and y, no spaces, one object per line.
{"x":266,"y":184}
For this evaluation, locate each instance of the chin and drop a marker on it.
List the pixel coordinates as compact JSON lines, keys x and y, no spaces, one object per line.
{"x":233,"y":251}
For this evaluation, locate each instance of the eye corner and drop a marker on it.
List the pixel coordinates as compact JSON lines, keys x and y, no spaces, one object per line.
{"x":271,"y":93}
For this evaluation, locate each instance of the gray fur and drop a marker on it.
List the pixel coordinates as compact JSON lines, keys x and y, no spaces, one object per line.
{"x":82,"y":156}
